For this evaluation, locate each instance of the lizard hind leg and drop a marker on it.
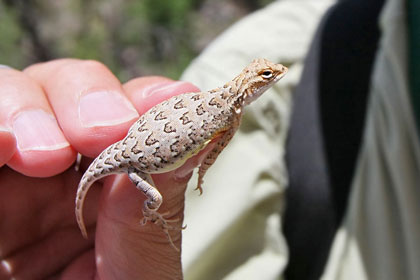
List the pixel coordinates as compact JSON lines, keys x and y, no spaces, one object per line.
{"x":144,"y":182}
{"x":212,"y":156}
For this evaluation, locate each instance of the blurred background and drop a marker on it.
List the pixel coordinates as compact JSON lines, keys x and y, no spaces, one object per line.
{"x":133,"y":38}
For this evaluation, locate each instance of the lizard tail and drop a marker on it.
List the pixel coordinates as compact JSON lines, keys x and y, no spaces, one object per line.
{"x":100,"y":167}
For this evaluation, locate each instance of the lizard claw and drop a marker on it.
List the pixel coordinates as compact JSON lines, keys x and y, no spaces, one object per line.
{"x":200,"y":189}
{"x":158,"y":219}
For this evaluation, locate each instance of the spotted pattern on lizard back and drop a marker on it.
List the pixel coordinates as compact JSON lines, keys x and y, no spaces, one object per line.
{"x":173,"y":131}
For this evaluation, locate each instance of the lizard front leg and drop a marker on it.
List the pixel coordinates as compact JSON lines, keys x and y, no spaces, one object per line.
{"x":144,"y":183}
{"x":213,"y":154}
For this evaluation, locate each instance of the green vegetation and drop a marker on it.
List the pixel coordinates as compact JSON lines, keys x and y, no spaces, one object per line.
{"x":133,"y":38}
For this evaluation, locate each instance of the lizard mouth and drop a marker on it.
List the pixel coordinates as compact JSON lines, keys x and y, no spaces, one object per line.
{"x":281,"y":74}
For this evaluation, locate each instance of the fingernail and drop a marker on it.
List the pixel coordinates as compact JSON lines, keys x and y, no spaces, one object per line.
{"x":105,"y":108}
{"x":164,"y":88}
{"x":37,"y":130}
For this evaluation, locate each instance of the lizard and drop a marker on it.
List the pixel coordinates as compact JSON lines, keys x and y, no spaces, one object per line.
{"x":171,"y":132}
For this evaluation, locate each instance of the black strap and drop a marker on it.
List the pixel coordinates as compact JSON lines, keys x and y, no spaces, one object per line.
{"x":325,"y":133}
{"x":413,"y":19}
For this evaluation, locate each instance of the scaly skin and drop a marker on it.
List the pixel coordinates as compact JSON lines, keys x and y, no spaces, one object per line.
{"x":173,"y":131}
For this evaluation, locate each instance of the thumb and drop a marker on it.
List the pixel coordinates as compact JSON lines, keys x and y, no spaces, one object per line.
{"x":127,"y":248}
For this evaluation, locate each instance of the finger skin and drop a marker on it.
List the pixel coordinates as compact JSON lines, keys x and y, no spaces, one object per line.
{"x":88,"y":100}
{"x":146,"y":92}
{"x":143,"y":251}
{"x":41,"y":148}
{"x":37,"y":224}
{"x":7,"y":146}
{"x":82,"y":268}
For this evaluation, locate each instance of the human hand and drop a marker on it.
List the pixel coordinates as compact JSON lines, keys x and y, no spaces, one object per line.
{"x":48,"y":113}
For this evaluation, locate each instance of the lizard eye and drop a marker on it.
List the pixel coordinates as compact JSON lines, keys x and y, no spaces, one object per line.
{"x":267,"y":74}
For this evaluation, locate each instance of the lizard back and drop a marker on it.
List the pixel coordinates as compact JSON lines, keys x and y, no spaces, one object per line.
{"x":174,"y":130}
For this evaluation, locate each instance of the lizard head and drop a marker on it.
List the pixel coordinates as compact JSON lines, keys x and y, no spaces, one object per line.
{"x":255,"y":79}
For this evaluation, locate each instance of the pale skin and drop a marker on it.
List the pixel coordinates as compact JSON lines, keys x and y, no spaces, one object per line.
{"x":39,"y":236}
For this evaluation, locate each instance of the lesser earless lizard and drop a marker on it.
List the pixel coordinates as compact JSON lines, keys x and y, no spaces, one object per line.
{"x":173,"y":131}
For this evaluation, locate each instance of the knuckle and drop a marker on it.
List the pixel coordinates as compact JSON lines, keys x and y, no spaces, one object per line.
{"x":81,"y":67}
{"x":93,"y":65}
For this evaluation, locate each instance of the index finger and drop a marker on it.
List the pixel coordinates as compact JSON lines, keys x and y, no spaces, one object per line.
{"x":88,"y":101}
